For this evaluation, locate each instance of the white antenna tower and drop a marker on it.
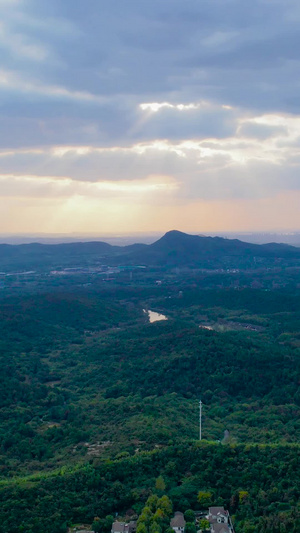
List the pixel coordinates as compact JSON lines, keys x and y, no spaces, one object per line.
{"x":200,"y":420}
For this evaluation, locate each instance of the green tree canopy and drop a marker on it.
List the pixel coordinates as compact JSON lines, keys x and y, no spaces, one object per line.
{"x":160,"y":484}
{"x":204,"y":498}
{"x":190,"y":527}
{"x":189,"y":515}
{"x":164,"y":503}
{"x":155,"y":527}
{"x":204,"y":524}
{"x":141,"y":528}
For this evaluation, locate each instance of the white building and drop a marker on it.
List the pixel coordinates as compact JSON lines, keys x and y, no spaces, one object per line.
{"x":219,"y":520}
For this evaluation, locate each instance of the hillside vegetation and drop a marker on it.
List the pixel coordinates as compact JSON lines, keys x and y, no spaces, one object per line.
{"x":96,"y":402}
{"x":258,"y":484}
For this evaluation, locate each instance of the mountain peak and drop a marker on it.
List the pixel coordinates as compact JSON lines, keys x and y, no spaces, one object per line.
{"x":174,"y":235}
{"x":174,"y":232}
{"x":175,"y":240}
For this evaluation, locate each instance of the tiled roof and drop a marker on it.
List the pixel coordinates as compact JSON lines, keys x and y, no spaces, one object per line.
{"x":220,"y":528}
{"x":118,"y":527}
{"x":216,"y":510}
{"x":178,"y":520}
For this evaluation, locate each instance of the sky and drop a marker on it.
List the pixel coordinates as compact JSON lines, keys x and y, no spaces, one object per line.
{"x":131,"y":116}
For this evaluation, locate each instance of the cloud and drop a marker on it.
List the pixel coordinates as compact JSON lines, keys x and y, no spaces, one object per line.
{"x":11,"y":81}
{"x":49,"y":187}
{"x":240,"y":166}
{"x":181,"y":101}
{"x":261,"y":131}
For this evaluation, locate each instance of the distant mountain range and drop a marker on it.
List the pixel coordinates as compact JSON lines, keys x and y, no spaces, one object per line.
{"x":174,"y":249}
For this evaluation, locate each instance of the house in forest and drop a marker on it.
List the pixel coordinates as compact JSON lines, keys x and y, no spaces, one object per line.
{"x":132,"y":525}
{"x":219,"y":520}
{"x":178,"y":522}
{"x":118,"y":527}
{"x":123,"y":527}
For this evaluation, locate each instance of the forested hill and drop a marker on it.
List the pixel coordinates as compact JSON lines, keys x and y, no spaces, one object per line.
{"x":85,"y":368}
{"x":96,"y":403}
{"x":173,"y":249}
{"x":258,"y":484}
{"x":177,"y":248}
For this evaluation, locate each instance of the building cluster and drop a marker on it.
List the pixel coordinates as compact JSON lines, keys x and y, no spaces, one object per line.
{"x":219,"y":522}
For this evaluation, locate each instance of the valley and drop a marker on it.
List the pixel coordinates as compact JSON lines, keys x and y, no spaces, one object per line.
{"x":100,"y":389}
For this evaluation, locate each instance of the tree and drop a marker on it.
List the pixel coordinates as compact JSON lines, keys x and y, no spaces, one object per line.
{"x":169,"y":530}
{"x":145,"y":516}
{"x":164,"y":503}
{"x":155,"y":527}
{"x":190,"y":527}
{"x":203,"y":524}
{"x":160,"y":484}
{"x":204,"y":498}
{"x":141,"y":528}
{"x":151,"y":503}
{"x":189,"y":515}
{"x":158,"y":515}
{"x":243,"y":496}
{"x":97,"y":525}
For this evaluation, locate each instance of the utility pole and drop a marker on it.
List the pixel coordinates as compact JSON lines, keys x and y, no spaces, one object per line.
{"x":200,"y":420}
